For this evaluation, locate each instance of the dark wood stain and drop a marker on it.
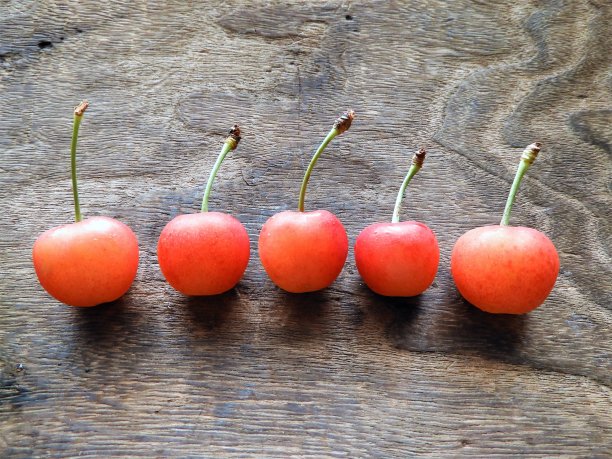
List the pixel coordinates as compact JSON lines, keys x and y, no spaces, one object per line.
{"x":342,"y":372}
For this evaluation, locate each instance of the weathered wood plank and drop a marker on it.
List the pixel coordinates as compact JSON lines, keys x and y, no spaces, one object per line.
{"x":257,"y":372}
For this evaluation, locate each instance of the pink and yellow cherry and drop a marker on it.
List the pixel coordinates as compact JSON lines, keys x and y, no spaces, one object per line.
{"x":506,"y":269}
{"x":305,"y":251}
{"x":205,"y":253}
{"x":398,"y":258}
{"x":90,"y":262}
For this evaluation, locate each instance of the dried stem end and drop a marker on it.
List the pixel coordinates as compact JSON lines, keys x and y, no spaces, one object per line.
{"x":531,"y":152}
{"x":234,"y":137}
{"x":343,"y":123}
{"x":80,"y":109}
{"x":419,"y":157}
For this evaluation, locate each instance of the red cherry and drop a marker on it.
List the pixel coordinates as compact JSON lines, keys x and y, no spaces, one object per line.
{"x":87,"y":263}
{"x":504,"y":269}
{"x":397,"y":259}
{"x":303,"y":251}
{"x":203,"y":254}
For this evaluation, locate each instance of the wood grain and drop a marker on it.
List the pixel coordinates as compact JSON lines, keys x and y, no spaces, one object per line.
{"x":343,"y":372}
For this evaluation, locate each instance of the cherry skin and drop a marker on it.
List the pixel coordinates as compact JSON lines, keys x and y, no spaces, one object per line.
{"x":204,"y":253}
{"x":87,"y":263}
{"x":397,"y":259}
{"x":504,"y":269}
{"x":303,"y":251}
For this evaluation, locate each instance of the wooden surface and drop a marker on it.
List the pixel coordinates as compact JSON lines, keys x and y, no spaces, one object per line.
{"x":343,"y":372}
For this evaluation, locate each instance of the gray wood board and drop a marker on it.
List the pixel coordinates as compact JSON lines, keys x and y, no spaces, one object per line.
{"x":342,"y":372}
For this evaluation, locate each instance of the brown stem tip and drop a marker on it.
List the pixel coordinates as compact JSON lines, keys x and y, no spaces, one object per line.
{"x":234,"y":136}
{"x":80,"y":109}
{"x":419,"y":157}
{"x":344,"y":121}
{"x":535,"y":146}
{"x":531,"y":152}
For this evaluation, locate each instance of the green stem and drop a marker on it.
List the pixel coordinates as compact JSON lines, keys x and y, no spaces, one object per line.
{"x":527,"y":158}
{"x":333,"y":133}
{"x":230,"y":144}
{"x":341,"y":125}
{"x":417,"y":163}
{"x":78,"y":116}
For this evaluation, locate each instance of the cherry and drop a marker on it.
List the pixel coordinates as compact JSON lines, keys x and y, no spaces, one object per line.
{"x":505,"y":269}
{"x":205,"y":253}
{"x":305,"y":251}
{"x":398,"y":258}
{"x":89,"y":262}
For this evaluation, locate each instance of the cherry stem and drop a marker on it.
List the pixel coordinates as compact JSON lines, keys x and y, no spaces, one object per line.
{"x":78,"y":116}
{"x":341,"y":125}
{"x":527,"y":158}
{"x":417,"y":163}
{"x":230,"y":144}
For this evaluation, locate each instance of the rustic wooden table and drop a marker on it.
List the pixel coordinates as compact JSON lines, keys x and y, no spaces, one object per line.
{"x":343,"y":372}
